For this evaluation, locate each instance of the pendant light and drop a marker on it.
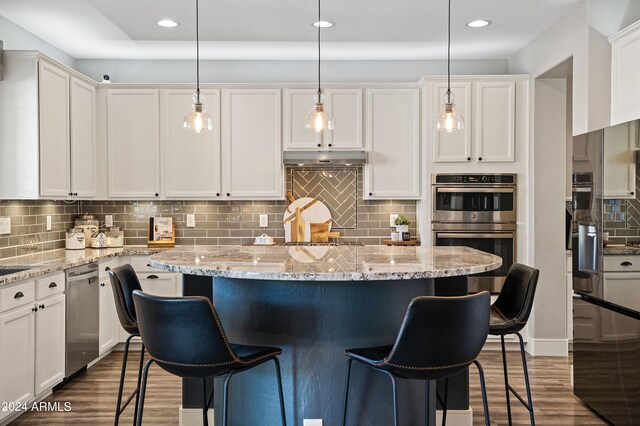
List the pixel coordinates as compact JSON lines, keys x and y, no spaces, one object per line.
{"x":448,"y":119}
{"x":318,"y":119}
{"x":197,"y":119}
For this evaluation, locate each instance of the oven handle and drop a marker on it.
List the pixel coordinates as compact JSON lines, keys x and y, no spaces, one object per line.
{"x":474,"y":235}
{"x":472,"y":190}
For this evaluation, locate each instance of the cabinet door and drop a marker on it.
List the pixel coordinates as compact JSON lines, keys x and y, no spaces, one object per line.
{"x":454,"y":146}
{"x":345,"y":105}
{"x":54,"y":131}
{"x":16,"y":356}
{"x":619,"y":160}
{"x":393,"y":142}
{"x":108,"y":334}
{"x":625,"y":84}
{"x":494,"y":121}
{"x":160,"y":284}
{"x":83,"y":138}
{"x":297,"y":104}
{"x":49,"y":343}
{"x":133,"y":143}
{"x":251,"y":144}
{"x":190,"y":160}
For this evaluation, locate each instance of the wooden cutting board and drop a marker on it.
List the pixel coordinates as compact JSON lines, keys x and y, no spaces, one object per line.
{"x":320,"y":233}
{"x":311,"y":211}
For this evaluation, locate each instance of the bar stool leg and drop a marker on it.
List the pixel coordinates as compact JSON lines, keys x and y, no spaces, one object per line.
{"x":205,"y":420}
{"x":346,"y":392}
{"x":225,"y":399}
{"x":529,"y":406}
{"x":506,"y":378}
{"x":280,"y":393}
{"x":122,"y":374}
{"x":145,"y":374}
{"x":137,"y":391}
{"x":484,"y":392}
{"x":443,"y":402}
{"x":395,"y":397}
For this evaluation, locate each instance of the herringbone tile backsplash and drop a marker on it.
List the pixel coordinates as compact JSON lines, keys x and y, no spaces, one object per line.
{"x":622,"y":217}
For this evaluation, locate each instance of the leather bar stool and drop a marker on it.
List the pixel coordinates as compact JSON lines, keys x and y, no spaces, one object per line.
{"x":439,"y":337}
{"x":184,"y":336}
{"x":509,"y":315}
{"x":123,"y":282}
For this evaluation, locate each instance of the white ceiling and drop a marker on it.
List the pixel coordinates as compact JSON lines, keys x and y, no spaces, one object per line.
{"x":280,"y":29}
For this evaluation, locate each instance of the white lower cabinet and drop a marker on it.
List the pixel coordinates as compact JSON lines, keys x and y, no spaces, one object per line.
{"x":159,"y":284}
{"x":109,"y":332}
{"x":49,"y":342}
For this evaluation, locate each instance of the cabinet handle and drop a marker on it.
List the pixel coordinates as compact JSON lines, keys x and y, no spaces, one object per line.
{"x":468,"y":158}
{"x":157,"y":195}
{"x":479,"y":158}
{"x":330,"y":145}
{"x":75,"y":194}
{"x":626,"y":263}
{"x":107,"y":269}
{"x":632,"y":192}
{"x":152,"y":277}
{"x":101,"y":284}
{"x":228,"y":194}
{"x":217,"y":194}
{"x":319,"y":145}
{"x":53,"y":285}
{"x":34,"y":309}
{"x":70,"y":194}
{"x":370,"y":194}
{"x":18,"y":295}
{"x":149,"y":265}
{"x":42,"y":306}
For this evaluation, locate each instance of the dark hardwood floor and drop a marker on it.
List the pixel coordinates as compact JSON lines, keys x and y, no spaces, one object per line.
{"x":93,"y":394}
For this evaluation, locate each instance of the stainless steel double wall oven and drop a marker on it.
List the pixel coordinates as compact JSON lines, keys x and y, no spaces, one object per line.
{"x":477,"y":211}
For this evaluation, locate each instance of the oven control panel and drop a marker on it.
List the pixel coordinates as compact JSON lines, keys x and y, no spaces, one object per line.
{"x":509,"y":179}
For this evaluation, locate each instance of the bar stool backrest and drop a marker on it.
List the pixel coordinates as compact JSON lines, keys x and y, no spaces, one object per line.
{"x":123,"y":282}
{"x":440,"y":335}
{"x":516,"y":296}
{"x":183,"y":335}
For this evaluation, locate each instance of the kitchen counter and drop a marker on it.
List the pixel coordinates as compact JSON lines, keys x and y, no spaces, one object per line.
{"x":47,"y":262}
{"x":325,"y":263}
{"x":609,"y":250}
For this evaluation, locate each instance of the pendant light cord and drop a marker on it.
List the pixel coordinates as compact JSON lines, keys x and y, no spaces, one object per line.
{"x":449,"y":54}
{"x":319,"y":26}
{"x":197,"y":52}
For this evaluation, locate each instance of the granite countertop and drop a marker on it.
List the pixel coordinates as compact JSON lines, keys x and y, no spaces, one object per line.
{"x":47,"y":262}
{"x":325,"y":263}
{"x":613,"y":250}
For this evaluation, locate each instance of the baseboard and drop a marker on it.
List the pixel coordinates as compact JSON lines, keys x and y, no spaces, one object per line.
{"x":547,"y":347}
{"x":193,"y":416}
{"x":456,"y":417}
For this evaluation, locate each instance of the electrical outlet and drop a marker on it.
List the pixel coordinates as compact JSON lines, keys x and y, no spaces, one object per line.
{"x":191,"y":221}
{"x":392,"y":219}
{"x":312,"y":422}
{"x":264,"y":221}
{"x":108,"y":220}
{"x":48,"y":223}
{"x":5,"y":225}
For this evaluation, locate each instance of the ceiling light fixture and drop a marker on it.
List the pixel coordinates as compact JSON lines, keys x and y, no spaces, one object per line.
{"x":448,"y":119}
{"x":478,"y":23}
{"x":167,"y":23}
{"x":323,"y":24}
{"x":197,"y":119}
{"x":318,"y":119}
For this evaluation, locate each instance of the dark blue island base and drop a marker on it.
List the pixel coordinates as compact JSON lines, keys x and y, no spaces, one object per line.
{"x":314,"y":322}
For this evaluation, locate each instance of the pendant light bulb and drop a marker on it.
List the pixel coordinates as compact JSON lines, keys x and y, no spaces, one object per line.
{"x":197,"y":119}
{"x":318,"y":118}
{"x":448,"y":118}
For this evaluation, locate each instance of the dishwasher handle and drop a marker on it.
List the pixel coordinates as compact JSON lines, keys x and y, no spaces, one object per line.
{"x":72,"y":274}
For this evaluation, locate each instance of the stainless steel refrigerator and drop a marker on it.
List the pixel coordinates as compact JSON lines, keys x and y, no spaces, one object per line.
{"x":606,"y":335}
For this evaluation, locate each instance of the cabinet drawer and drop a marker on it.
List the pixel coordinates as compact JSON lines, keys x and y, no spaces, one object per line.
{"x":105,"y":266}
{"x":50,"y":285}
{"x":141,"y":264}
{"x":159,"y":284}
{"x":621,"y":263}
{"x":17,"y":295}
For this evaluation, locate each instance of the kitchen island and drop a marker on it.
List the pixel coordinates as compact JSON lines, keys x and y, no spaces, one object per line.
{"x":314,"y":302}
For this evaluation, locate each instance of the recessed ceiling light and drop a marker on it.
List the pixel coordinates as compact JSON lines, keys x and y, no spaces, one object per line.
{"x":478,"y":23}
{"x":323,"y":24}
{"x":168,"y":23}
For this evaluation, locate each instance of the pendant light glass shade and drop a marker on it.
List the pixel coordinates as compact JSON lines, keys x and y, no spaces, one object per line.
{"x":197,"y":119}
{"x":318,"y":118}
{"x":449,"y":119}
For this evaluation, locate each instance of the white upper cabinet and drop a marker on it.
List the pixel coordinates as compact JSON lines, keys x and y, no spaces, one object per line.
{"x":344,"y":105}
{"x":190,"y":160}
{"x":252,"y":144}
{"x":54,"y":131}
{"x":83,"y":139}
{"x":489,"y":111}
{"x":393,"y":143}
{"x":620,"y":145}
{"x":625,"y":84}
{"x":133,"y":143}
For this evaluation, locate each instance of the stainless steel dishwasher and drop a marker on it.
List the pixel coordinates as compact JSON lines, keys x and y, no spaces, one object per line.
{"x":82,"y":325}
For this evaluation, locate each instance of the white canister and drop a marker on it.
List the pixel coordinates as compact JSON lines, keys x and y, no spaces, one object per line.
{"x":99,"y":240}
{"x":396,"y":236}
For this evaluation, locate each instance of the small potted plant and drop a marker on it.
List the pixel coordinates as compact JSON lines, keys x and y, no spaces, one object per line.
{"x":402,"y":226}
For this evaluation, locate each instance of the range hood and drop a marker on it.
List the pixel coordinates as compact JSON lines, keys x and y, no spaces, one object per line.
{"x":324,"y":158}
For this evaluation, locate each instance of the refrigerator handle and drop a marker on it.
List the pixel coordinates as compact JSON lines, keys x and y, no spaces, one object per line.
{"x":588,"y":248}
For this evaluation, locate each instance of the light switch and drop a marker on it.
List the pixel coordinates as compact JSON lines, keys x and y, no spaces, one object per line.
{"x":108,"y":220}
{"x":312,"y":422}
{"x":191,"y":221}
{"x":48,"y":223}
{"x":5,"y":225}
{"x":392,"y":219}
{"x":264,"y":221}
